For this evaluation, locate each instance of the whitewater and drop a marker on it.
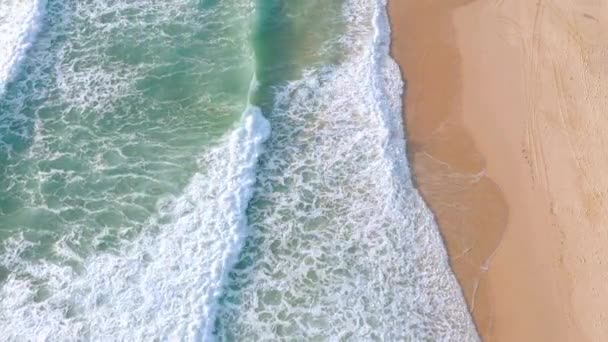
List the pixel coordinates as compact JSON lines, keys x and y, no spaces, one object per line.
{"x":153,"y":191}
{"x":19,"y":23}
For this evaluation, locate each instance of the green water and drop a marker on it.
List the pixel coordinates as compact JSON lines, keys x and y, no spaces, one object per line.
{"x":286,"y":41}
{"x":226,"y":170}
{"x":109,"y":110}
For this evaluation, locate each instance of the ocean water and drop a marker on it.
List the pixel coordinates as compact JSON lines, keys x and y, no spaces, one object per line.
{"x":229,"y":170}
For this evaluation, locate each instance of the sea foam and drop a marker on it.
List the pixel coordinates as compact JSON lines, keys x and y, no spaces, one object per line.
{"x":343,"y":245}
{"x":19,"y":24}
{"x":156,"y":274}
{"x":346,"y":247}
{"x":163,"y":285}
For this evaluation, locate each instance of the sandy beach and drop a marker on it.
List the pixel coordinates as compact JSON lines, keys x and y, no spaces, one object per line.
{"x":504,"y":110}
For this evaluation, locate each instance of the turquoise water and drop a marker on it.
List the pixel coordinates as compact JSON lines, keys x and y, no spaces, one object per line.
{"x":211,"y":170}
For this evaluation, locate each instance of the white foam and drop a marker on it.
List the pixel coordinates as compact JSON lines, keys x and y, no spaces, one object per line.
{"x":348,"y":249}
{"x":339,"y":205}
{"x":163,"y":285}
{"x":19,"y":24}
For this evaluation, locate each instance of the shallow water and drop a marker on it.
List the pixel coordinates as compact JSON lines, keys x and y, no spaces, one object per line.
{"x":201,"y":170}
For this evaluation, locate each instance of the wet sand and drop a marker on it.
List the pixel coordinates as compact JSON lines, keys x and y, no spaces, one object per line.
{"x":504,"y":112}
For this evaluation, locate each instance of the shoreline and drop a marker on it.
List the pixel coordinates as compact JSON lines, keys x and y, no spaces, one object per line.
{"x":505,"y":147}
{"x":446,"y":165}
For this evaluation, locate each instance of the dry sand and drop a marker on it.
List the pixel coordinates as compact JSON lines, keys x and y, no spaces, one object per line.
{"x":506,"y":111}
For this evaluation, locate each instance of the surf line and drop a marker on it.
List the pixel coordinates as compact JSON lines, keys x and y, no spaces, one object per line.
{"x":246,"y":147}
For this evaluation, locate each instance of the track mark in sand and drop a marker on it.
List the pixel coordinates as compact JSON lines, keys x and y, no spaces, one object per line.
{"x":536,"y":153}
{"x":499,"y":3}
{"x":592,"y":198}
{"x":589,"y":16}
{"x":563,"y":111}
{"x":514,"y":33}
{"x":533,"y":150}
{"x":568,"y":22}
{"x":536,"y":30}
{"x":570,"y":111}
{"x":562,"y":105}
